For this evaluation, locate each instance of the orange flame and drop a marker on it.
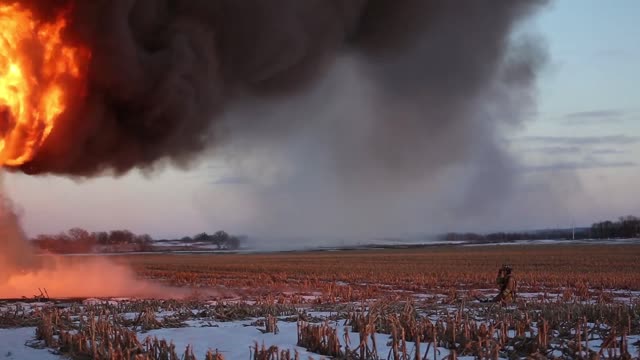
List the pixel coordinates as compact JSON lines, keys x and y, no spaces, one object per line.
{"x":37,"y":70}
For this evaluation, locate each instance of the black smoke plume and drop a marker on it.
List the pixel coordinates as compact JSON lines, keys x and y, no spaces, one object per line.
{"x":163,"y":72}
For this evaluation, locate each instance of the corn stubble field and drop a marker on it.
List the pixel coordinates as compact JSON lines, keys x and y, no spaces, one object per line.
{"x":573,"y":302}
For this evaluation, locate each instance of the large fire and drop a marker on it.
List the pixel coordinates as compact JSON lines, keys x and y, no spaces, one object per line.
{"x":37,"y":69}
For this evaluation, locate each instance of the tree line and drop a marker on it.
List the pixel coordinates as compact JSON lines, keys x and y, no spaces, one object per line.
{"x":625,"y":227}
{"x":78,"y":240}
{"x":220,"y":239}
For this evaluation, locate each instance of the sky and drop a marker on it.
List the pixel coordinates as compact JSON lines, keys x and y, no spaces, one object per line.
{"x":580,"y":148}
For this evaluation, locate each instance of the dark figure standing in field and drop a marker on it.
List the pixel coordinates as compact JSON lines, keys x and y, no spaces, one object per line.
{"x":506,"y":285}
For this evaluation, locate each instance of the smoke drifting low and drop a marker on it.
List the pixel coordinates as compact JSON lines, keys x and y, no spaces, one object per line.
{"x":164,"y":73}
{"x":392,"y":140}
{"x":23,"y":272}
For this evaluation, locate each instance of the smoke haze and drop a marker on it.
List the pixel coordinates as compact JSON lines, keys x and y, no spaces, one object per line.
{"x":415,"y":142}
{"x":163,"y":73}
{"x":24,"y":274}
{"x":344,"y":117}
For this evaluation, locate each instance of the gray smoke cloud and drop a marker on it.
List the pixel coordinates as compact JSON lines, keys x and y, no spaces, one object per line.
{"x":344,"y":116}
{"x":338,"y":174}
{"x":163,"y":72}
{"x":393,"y":143}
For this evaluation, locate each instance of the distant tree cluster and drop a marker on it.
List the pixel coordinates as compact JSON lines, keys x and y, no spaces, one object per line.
{"x":220,"y":239}
{"x":626,"y":227}
{"x":77,"y":240}
{"x":555,"y":234}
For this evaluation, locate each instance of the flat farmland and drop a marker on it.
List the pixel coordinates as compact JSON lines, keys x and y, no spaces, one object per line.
{"x":553,"y":266}
{"x":573,"y":302}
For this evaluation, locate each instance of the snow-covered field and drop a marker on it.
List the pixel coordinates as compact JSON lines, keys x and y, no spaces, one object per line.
{"x":388,"y":243}
{"x":562,"y":242}
{"x":13,"y":345}
{"x":233,"y":327}
{"x":571,"y":302}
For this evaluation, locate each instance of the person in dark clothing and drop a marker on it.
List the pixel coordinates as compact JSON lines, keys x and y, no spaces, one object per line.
{"x":506,"y":285}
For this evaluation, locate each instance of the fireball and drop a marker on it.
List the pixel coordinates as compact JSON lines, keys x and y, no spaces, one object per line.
{"x":37,"y":72}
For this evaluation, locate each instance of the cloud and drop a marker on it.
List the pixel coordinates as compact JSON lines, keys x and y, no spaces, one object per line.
{"x":608,"y":151}
{"x":580,"y":151}
{"x":617,"y":139}
{"x":593,"y":116}
{"x":580,"y":165}
{"x":565,"y":150}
